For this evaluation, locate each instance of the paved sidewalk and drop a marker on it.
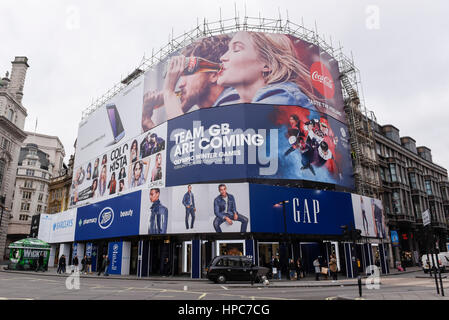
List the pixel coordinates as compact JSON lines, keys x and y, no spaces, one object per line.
{"x":393,"y":296}
{"x":308,"y":281}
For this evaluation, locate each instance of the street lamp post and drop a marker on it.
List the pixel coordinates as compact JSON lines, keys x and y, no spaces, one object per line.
{"x":353,"y":234}
{"x":283,"y":203}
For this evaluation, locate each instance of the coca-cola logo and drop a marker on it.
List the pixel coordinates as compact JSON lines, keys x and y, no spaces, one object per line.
{"x":191,"y":64}
{"x":322,"y":80}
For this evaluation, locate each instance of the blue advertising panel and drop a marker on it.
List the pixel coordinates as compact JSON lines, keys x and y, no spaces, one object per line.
{"x":258,"y":141}
{"x":111,"y":218}
{"x":307,"y":211}
{"x":115,"y":257}
{"x":394,"y":238}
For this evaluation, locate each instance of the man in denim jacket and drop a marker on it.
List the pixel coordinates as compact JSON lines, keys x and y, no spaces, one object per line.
{"x":226,"y":211}
{"x":159,"y":214}
{"x":188,"y":201}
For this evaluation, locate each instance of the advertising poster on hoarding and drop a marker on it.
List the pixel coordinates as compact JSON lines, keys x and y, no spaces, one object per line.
{"x":205,"y":208}
{"x":117,"y":121}
{"x":63,"y":227}
{"x":116,"y":217}
{"x":258,"y":141}
{"x":45,"y":227}
{"x":307,"y":211}
{"x":369,"y":216}
{"x":242,"y":67}
{"x":129,"y":166}
{"x":121,"y":146}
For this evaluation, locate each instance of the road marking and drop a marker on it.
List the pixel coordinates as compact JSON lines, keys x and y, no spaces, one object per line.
{"x":202,"y":296}
{"x":3,"y":298}
{"x":186,"y":288}
{"x":224,"y":288}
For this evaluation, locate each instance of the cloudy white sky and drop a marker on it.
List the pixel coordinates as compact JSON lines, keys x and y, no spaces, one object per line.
{"x":78,"y":50}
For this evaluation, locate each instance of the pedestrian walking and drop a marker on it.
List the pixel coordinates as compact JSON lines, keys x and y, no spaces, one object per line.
{"x":101,"y":265}
{"x":61,"y":264}
{"x":89,"y":265}
{"x":333,"y":267}
{"x":292,"y":270}
{"x":106,"y":265}
{"x":316,"y":264}
{"x":299,"y":269}
{"x":40,"y":262}
{"x":84,"y":264}
{"x":166,"y":268}
{"x":276,"y":267}
{"x":75,"y":264}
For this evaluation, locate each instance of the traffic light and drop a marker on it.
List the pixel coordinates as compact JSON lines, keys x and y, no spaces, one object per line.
{"x":357,"y":234}
{"x":346,"y":232}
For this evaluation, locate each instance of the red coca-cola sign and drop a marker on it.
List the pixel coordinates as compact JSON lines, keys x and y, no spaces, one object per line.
{"x":322,"y":80}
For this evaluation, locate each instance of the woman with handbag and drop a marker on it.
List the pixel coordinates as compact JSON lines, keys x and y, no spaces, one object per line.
{"x":333,"y":267}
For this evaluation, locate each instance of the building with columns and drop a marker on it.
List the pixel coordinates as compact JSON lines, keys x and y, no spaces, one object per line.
{"x":41,"y":158}
{"x":12,"y":135}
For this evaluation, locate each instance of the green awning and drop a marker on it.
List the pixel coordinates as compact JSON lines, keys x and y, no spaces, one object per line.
{"x":30,"y":243}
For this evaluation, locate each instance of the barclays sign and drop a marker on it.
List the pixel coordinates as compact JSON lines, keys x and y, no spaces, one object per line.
{"x":63,"y":224}
{"x":115,"y":217}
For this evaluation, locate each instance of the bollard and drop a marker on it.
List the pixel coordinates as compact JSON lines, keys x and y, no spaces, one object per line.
{"x":359,"y":280}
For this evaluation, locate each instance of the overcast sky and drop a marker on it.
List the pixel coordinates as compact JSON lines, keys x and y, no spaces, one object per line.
{"x":78,"y":50}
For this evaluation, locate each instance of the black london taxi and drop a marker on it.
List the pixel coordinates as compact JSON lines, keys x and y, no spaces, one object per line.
{"x":234,"y":268}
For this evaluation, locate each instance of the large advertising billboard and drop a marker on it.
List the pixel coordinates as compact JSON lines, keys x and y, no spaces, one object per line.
{"x":199,"y":208}
{"x":253,"y":82}
{"x":116,"y":217}
{"x":218,"y":208}
{"x":242,"y":67}
{"x":369,"y":216}
{"x":124,"y":167}
{"x":258,"y":141}
{"x":306,"y":211}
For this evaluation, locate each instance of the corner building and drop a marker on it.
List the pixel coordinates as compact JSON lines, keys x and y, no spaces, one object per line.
{"x":412,"y":183}
{"x":188,"y":176}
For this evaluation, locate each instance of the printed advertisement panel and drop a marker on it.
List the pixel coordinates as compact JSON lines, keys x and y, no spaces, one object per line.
{"x":205,"y":208}
{"x":258,"y":141}
{"x":132,"y":165}
{"x":115,"y":257}
{"x":116,"y":217}
{"x":63,"y":226}
{"x":242,"y":67}
{"x":307,"y":211}
{"x":369,"y":216}
{"x":45,"y":228}
{"x":110,"y":125}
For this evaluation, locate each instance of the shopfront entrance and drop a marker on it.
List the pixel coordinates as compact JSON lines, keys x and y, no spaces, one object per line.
{"x":230,"y":247}
{"x":266,"y":251}
{"x":134,"y":257}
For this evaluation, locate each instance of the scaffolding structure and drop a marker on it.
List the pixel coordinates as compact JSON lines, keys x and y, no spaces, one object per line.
{"x":361,"y":120}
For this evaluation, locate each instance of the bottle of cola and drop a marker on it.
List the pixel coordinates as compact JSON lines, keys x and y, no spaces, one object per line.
{"x":197,"y":64}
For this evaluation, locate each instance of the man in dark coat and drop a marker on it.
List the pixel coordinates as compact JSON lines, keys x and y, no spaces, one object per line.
{"x":40,"y":263}
{"x":61,"y":264}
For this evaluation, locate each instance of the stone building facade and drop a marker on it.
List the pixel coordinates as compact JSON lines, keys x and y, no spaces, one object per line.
{"x":411,"y":184}
{"x":12,"y":135}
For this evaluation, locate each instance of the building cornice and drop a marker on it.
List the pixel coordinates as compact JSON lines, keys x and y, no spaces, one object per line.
{"x":12,"y":128}
{"x":410,"y":154}
{"x":9,"y":96}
